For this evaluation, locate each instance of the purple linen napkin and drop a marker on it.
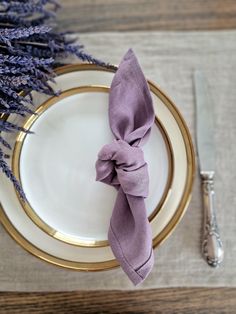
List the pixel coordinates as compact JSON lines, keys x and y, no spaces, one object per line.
{"x":122,"y":165}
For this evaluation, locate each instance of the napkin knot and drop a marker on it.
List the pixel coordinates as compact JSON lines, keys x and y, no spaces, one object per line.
{"x":120,"y":164}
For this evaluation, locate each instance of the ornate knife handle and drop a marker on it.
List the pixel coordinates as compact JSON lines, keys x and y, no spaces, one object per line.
{"x":212,"y":248}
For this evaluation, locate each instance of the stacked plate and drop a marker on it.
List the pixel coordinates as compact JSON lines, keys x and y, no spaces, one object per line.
{"x":66,"y":217}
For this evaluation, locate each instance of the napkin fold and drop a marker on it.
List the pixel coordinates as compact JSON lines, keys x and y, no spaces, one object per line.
{"x":122,"y":165}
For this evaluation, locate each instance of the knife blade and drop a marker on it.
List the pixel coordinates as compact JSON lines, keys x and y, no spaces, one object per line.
{"x":204,"y":124}
{"x":212,"y":248}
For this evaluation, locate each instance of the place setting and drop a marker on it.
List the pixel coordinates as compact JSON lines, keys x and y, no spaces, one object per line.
{"x":117,"y":157}
{"x":105,"y":169}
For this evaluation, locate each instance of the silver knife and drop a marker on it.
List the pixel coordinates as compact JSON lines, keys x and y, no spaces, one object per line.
{"x":212,"y":248}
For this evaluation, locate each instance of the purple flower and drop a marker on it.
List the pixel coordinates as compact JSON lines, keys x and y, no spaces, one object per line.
{"x":7,"y":171}
{"x":29,"y":48}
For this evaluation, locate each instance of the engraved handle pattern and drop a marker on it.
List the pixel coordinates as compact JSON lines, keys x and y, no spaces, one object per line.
{"x":212,"y":248}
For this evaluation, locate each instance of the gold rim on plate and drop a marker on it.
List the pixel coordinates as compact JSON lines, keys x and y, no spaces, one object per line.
{"x":16,"y":168}
{"x":167,"y":231}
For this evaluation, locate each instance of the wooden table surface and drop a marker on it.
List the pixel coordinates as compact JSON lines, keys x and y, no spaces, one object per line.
{"x":131,"y":15}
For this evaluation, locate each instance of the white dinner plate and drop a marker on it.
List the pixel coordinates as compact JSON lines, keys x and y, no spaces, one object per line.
{"x":67,"y":213}
{"x":59,"y":158}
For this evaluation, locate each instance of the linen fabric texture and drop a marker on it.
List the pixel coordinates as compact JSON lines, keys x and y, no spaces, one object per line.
{"x":121,"y":164}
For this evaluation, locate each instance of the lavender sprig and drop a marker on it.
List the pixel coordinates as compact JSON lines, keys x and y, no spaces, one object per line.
{"x":29,"y":7}
{"x":26,"y":61}
{"x":29,"y":50}
{"x":7,"y":171}
{"x":6,"y":35}
{"x":11,"y":127}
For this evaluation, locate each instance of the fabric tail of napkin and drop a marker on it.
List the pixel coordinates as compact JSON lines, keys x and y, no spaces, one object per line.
{"x":130,"y":237}
{"x":122,"y":165}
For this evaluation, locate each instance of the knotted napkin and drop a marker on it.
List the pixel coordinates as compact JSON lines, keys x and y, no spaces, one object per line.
{"x":122,"y":165}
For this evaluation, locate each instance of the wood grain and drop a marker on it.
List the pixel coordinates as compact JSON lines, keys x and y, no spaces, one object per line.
{"x":131,"y":15}
{"x":164,"y":301}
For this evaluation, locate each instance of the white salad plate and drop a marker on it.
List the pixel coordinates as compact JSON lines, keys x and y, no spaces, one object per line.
{"x":66,"y":216}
